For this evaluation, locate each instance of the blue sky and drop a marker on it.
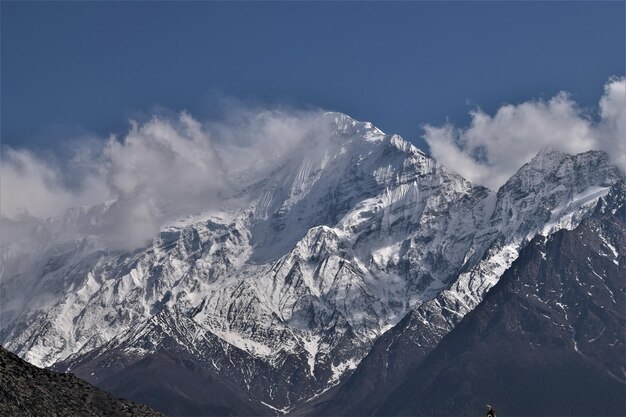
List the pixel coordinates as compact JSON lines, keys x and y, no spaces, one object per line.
{"x":68,"y":67}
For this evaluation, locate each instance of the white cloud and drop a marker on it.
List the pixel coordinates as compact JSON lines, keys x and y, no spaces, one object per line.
{"x":612,"y":127}
{"x":492,"y":148}
{"x":161,"y":170}
{"x":30,"y":186}
{"x":173,"y":166}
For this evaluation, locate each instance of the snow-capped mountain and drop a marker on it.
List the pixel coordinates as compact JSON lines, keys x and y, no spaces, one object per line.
{"x":281,"y":297}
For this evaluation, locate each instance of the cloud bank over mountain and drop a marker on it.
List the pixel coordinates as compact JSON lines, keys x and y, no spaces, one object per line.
{"x":492,"y":148}
{"x":160,"y":170}
{"x":171,"y":166}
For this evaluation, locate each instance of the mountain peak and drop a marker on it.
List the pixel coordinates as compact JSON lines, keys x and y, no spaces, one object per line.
{"x":547,"y":159}
{"x":550,"y":168}
{"x":345,"y":125}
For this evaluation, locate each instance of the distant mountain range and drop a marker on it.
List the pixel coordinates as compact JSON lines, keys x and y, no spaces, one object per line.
{"x":330,"y":290}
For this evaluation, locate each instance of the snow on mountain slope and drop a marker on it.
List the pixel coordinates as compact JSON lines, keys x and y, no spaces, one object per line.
{"x":331,"y":250}
{"x":553,"y":191}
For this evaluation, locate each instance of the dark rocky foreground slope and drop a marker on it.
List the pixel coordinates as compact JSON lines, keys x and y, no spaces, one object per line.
{"x":26,"y":390}
{"x":548,"y":339}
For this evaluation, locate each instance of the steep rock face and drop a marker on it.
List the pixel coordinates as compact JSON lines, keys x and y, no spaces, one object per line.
{"x":548,"y":338}
{"x":329,"y":251}
{"x":26,"y":390}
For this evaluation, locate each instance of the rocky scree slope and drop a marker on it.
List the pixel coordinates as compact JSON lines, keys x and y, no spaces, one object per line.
{"x":26,"y":390}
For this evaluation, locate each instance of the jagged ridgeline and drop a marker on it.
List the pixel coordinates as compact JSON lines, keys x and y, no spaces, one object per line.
{"x":343,"y":269}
